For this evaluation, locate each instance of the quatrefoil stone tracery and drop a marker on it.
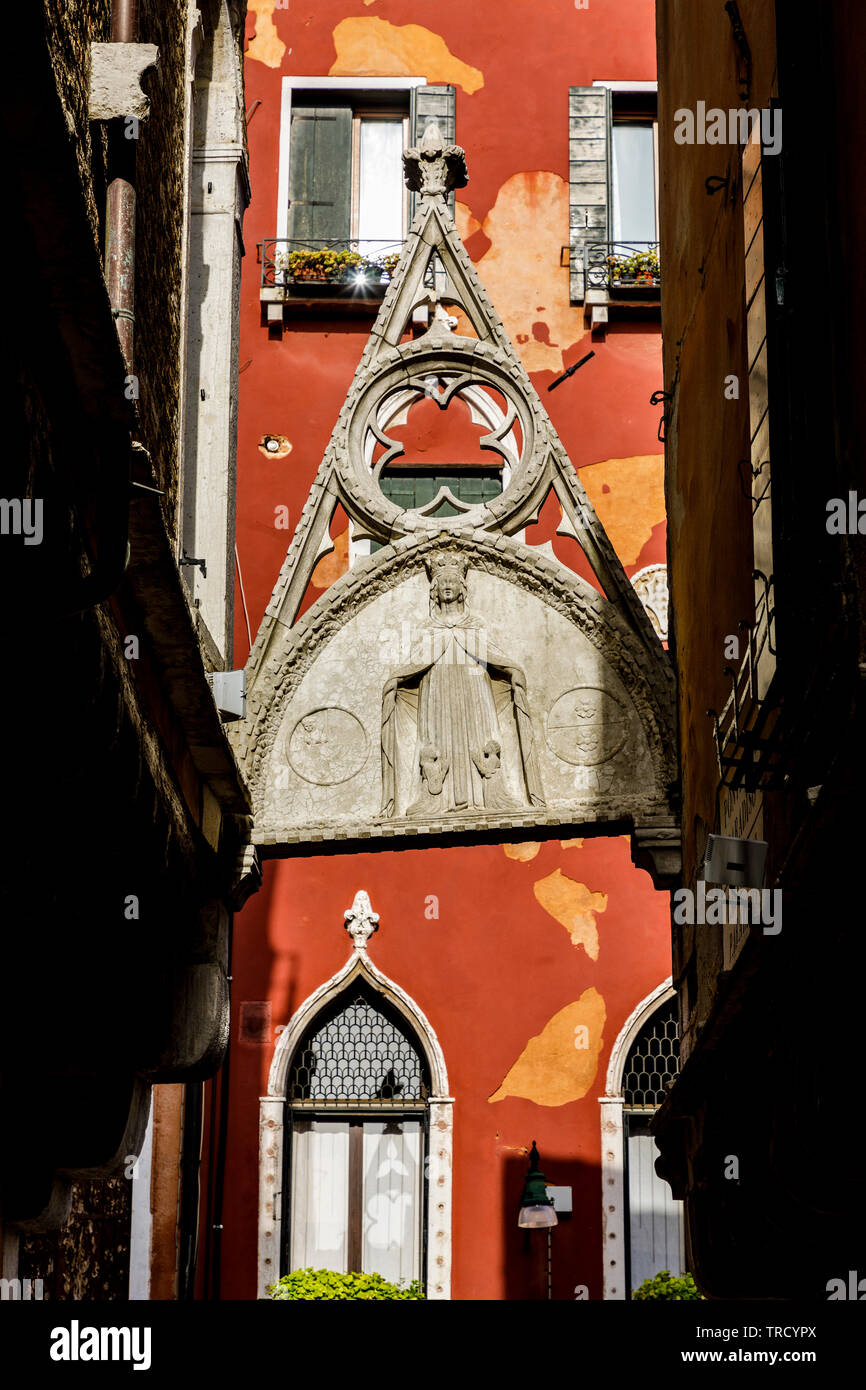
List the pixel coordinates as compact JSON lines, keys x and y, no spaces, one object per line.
{"x":471,"y":377}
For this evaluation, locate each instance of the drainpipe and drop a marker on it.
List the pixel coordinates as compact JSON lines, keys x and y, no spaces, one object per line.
{"x":120,"y":229}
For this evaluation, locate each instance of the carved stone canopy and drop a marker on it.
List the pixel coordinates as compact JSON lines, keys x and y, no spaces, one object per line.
{"x":434,"y":168}
{"x":457,"y":680}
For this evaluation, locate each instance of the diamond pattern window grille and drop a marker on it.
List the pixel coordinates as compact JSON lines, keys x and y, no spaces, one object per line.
{"x":358,"y":1054}
{"x":653,"y":1062}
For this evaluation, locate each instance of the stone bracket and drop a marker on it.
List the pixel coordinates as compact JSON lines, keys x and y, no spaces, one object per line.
{"x":658,"y":849}
{"x":115,"y":80}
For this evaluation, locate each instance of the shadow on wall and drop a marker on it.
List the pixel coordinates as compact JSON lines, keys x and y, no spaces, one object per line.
{"x":575,"y":1240}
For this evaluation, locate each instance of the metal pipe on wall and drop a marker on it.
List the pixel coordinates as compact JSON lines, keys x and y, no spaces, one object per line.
{"x":120,"y":222}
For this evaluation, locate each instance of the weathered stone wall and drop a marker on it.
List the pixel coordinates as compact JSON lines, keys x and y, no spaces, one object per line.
{"x":160,"y":174}
{"x":88,"y":1259}
{"x":72,"y":25}
{"x":119,"y":906}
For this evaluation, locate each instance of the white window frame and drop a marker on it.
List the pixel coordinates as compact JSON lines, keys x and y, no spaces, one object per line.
{"x":273,"y":1133}
{"x":638,"y":87}
{"x":364,"y":86}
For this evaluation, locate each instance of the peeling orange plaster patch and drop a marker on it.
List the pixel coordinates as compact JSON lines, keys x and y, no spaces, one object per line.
{"x":574,"y":906}
{"x":376,"y":48}
{"x":466,"y":221}
{"x":332,"y":565}
{"x":560,"y":1063}
{"x":266,"y":46}
{"x":527,"y":226}
{"x":524,"y":852}
{"x":571,"y":844}
{"x":634,"y":504}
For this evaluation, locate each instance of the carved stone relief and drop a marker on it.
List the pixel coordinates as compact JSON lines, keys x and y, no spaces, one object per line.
{"x":453,"y":697}
{"x":328,"y":746}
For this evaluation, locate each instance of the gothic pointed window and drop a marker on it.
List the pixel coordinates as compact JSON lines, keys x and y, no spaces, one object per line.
{"x":356,"y":1098}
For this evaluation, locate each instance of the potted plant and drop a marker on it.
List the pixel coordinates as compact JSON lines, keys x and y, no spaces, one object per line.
{"x":639,"y":268}
{"x":328,"y":1284}
{"x":327,"y":265}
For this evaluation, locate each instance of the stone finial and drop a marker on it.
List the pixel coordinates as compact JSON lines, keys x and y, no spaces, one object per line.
{"x":434,"y":168}
{"x":361,"y":920}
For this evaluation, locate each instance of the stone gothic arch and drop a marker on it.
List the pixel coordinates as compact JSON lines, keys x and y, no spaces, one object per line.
{"x":517,"y":695}
{"x":361,"y":922}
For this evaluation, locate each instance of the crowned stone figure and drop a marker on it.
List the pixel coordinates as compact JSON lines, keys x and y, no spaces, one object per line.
{"x":454,"y":695}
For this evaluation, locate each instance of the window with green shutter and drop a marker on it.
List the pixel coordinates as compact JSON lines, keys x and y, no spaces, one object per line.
{"x":612,"y":139}
{"x":320,"y":168}
{"x":345,"y":167}
{"x":410,"y":488}
{"x":344,"y":209}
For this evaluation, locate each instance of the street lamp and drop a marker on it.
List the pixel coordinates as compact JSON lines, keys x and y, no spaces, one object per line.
{"x":536,"y":1208}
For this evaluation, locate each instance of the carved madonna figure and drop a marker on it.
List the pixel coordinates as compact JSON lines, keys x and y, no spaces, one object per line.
{"x":450,"y":698}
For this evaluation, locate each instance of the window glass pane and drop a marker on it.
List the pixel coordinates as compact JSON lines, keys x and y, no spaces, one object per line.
{"x":380,"y":192}
{"x":634,"y":209}
{"x":320,"y":1195}
{"x":392,"y":1199}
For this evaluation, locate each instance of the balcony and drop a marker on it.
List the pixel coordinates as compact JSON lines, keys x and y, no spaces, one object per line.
{"x":618,"y":276}
{"x":318,"y":274}
{"x":622,"y":267}
{"x":754,"y":730}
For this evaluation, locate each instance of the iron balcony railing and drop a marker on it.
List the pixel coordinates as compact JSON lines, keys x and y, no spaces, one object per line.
{"x":629,"y":266}
{"x":750,"y":736}
{"x":348,"y":265}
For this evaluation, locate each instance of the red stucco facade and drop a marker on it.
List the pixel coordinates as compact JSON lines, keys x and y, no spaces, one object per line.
{"x":489,"y":956}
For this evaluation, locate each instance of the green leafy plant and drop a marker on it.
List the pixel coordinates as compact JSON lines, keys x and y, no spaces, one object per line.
{"x":641,"y":267}
{"x":679,"y":1287}
{"x":327,"y":1284}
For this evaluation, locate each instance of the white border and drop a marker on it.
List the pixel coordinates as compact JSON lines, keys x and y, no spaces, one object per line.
{"x":272,"y":1138}
{"x":613,"y":1210}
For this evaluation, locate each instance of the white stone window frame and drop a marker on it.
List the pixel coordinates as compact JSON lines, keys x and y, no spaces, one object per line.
{"x":613,"y":1198}
{"x":326,"y":85}
{"x":273,"y":1137}
{"x":638,"y":87}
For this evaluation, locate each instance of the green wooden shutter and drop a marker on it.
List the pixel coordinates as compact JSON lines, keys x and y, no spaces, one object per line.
{"x":428,"y":104}
{"x":320,"y":174}
{"x":589,"y":121}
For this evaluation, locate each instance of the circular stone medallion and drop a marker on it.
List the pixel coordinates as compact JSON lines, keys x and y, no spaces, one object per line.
{"x":327,"y":746}
{"x":586,"y":726}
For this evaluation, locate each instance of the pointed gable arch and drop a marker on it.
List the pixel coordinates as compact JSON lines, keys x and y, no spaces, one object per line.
{"x":361,"y":922}
{"x":357,"y":970}
{"x":574,"y":722}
